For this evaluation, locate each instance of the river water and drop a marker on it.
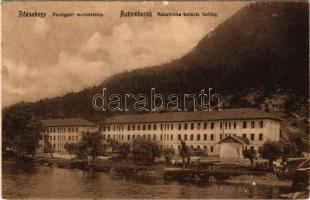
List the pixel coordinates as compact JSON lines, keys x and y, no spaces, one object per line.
{"x":28,"y":181}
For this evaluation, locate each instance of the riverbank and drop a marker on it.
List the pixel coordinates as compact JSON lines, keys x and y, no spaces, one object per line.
{"x":33,"y":181}
{"x":244,"y":175}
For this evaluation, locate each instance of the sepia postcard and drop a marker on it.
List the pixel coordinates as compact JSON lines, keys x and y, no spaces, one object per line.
{"x":155,"y":99}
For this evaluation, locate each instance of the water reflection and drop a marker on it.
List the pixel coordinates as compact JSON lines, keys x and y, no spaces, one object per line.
{"x":29,"y":181}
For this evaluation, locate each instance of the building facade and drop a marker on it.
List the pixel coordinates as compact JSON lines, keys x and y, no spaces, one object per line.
{"x":62,"y":131}
{"x":203,"y":130}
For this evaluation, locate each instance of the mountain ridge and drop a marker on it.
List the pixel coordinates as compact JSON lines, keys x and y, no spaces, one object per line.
{"x":261,"y":49}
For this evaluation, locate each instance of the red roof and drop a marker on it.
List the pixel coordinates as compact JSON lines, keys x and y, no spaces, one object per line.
{"x":66,"y":122}
{"x":226,"y":114}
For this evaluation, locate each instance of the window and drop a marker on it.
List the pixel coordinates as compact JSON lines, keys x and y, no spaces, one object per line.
{"x":154,"y":137}
{"x":205,"y":137}
{"x":192,"y":147}
{"x":212,"y":125}
{"x":252,"y":136}
{"x":185,"y":137}
{"x":244,"y":135}
{"x":161,"y":137}
{"x":225,"y":125}
{"x":128,"y":128}
{"x":244,"y":124}
{"x":205,"y":147}
{"x":205,"y":125}
{"x":252,"y":124}
{"x":221,"y":125}
{"x":198,"y":137}
{"x":229,"y":125}
{"x":192,"y":126}
{"x":133,"y":137}
{"x":198,"y":147}
{"x":261,"y":124}
{"x":198,"y":126}
{"x":179,"y":147}
{"x":161,"y":126}
{"x":54,"y":137}
{"x":171,"y":126}
{"x":260,"y":137}
{"x":235,"y":125}
{"x":212,"y":137}
{"x":149,"y":127}
{"x":143,"y":127}
{"x":180,"y":126}
{"x":185,"y":126}
{"x":139,"y":127}
{"x":133,"y":127}
{"x":192,"y":137}
{"x":171,"y":137}
{"x":179,"y":137}
{"x":221,"y":136}
{"x":211,"y":149}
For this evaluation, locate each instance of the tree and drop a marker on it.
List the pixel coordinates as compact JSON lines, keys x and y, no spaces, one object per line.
{"x":168,"y":154}
{"x":185,"y":152}
{"x":81,"y":151}
{"x":301,"y":141}
{"x":48,"y":147}
{"x":113,"y":144}
{"x":94,"y":144}
{"x":21,"y":133}
{"x":145,"y":151}
{"x":271,"y":151}
{"x":289,"y":149}
{"x":124,"y":150}
{"x":71,"y":148}
{"x":250,"y":154}
{"x":77,"y":149}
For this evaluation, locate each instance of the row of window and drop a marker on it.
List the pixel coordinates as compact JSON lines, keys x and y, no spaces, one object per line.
{"x":64,"y":138}
{"x":252,"y":136}
{"x":181,"y":126}
{"x":186,"y":137}
{"x":62,"y":130}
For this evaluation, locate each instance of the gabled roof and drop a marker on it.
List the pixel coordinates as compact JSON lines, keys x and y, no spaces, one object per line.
{"x":66,"y":122}
{"x":226,"y":114}
{"x":236,"y":139}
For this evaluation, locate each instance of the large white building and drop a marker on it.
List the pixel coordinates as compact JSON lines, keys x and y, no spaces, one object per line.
{"x":207,"y":130}
{"x":62,"y":131}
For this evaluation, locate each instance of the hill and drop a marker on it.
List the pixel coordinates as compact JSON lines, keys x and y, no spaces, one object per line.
{"x":256,"y":58}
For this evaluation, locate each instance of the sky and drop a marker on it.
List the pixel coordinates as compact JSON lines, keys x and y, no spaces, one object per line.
{"x":47,"y":57}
